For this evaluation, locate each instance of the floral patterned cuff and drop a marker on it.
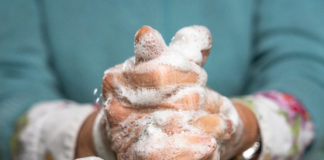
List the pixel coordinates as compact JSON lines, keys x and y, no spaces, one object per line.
{"x":285,"y":126}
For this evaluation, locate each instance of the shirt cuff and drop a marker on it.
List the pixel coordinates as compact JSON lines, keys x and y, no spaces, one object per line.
{"x":285,"y":126}
{"x":51,"y":129}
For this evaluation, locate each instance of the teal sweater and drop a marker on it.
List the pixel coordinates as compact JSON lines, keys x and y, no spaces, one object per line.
{"x":59,"y":49}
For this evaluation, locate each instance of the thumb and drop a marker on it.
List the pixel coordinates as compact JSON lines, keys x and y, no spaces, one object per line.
{"x":148,"y":44}
{"x":193,"y":42}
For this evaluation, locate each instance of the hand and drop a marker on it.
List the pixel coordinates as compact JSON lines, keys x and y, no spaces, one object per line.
{"x":158,"y":100}
{"x":146,"y":89}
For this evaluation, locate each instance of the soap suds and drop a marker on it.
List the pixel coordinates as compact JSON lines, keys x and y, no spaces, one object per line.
{"x":190,"y":41}
{"x":148,"y":45}
{"x":228,"y":110}
{"x":152,"y":139}
{"x":167,"y":129}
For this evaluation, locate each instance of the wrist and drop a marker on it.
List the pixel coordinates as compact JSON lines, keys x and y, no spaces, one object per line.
{"x":100,"y":136}
{"x":85,"y":143}
{"x":246,"y":134}
{"x":250,"y":129}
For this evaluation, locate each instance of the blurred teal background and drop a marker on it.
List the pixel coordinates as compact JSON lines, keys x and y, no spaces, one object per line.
{"x":60,"y":49}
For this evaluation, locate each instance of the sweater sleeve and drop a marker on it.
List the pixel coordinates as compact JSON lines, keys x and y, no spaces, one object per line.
{"x":289,"y":56}
{"x":289,"y":53}
{"x":286,"y":129}
{"x":49,"y":130}
{"x":25,"y":74}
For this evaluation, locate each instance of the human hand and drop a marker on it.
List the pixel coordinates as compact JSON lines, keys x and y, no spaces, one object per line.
{"x":158,"y":105}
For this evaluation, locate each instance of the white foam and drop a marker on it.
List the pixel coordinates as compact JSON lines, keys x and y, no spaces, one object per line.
{"x":149,"y":45}
{"x":141,"y":97}
{"x":190,"y":41}
{"x":187,"y":91}
{"x":179,"y":62}
{"x":184,"y":54}
{"x":228,"y":110}
{"x":155,"y":139}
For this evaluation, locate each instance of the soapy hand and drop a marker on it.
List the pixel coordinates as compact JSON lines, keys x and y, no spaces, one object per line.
{"x":158,"y":105}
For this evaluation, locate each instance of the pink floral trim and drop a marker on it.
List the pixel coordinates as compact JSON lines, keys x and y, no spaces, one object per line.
{"x":296,"y":118}
{"x":289,"y":103}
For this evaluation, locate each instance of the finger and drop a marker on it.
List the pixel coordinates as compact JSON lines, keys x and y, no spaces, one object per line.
{"x":155,"y":87}
{"x":148,"y":40}
{"x":148,"y":44}
{"x":170,"y":68}
{"x":211,"y":124}
{"x":161,"y":76}
{"x":183,"y":147}
{"x":146,"y":88}
{"x":193,"y":42}
{"x":188,"y":102}
{"x":117,"y":112}
{"x":187,"y":98}
{"x":213,"y":101}
{"x":113,"y":78}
